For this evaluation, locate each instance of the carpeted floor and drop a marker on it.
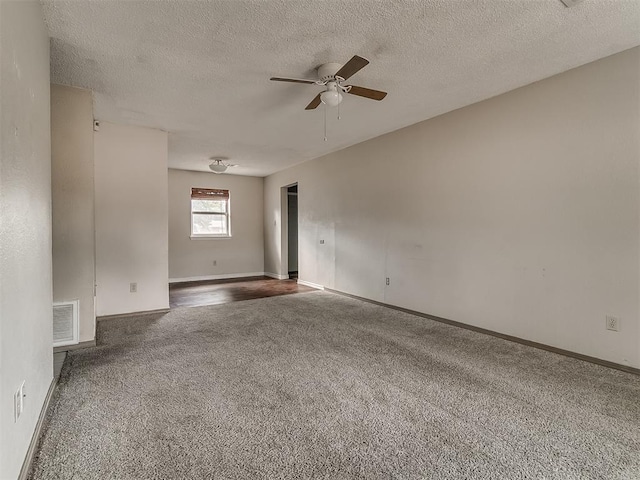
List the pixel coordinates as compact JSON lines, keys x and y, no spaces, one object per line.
{"x":317,"y":385}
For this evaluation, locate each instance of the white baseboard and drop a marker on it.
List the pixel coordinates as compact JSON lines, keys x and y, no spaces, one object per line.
{"x":311,"y":284}
{"x":31,"y":451}
{"x":77,"y":346}
{"x":131,"y":314}
{"x":230,"y":275}
{"x":223,"y":276}
{"x":275,"y":275}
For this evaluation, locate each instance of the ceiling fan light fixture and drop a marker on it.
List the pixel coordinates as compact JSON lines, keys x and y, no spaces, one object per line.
{"x":331,"y":98}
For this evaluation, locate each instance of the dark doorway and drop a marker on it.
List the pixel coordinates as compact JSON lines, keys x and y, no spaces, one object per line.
{"x":292,"y":220}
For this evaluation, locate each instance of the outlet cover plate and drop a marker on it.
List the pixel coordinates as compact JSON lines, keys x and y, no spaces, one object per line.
{"x":612,"y":323}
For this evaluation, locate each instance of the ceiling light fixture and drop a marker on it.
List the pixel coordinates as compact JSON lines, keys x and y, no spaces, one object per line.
{"x":217,"y":166}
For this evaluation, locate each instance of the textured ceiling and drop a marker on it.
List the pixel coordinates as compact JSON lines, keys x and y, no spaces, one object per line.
{"x":200,"y":70}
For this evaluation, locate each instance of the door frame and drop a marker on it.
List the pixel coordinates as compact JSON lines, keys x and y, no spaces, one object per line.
{"x":284,"y":229}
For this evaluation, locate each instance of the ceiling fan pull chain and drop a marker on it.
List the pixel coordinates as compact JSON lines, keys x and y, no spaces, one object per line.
{"x":325,"y":123}
{"x":339,"y":111}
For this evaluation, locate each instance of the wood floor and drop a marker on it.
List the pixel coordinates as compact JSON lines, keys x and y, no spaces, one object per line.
{"x":215,"y":292}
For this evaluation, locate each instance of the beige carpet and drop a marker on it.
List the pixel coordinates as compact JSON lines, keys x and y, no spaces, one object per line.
{"x":317,"y":385}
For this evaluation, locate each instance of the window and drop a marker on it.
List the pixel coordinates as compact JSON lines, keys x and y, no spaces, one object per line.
{"x":210,"y":213}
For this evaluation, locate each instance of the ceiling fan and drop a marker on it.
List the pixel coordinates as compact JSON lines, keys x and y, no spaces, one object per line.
{"x":219,"y":165}
{"x":332,"y":76}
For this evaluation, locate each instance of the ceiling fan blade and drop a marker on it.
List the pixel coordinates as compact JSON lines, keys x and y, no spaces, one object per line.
{"x":367,"y":93}
{"x":314,"y":103}
{"x":352,"y":66}
{"x":292,"y":80}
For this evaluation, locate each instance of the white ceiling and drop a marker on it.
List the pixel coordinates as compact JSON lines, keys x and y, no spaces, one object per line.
{"x":200,"y":70}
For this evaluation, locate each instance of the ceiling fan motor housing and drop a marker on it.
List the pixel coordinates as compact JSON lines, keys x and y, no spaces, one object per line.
{"x":328,"y":71}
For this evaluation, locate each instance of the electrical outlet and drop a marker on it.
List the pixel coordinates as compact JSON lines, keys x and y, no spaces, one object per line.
{"x":133,"y":287}
{"x":612,"y":323}
{"x":215,"y":263}
{"x":321,"y":242}
{"x":388,"y":282}
{"x":18,"y":402}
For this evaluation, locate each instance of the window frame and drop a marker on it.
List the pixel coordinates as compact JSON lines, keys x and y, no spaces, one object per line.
{"x":226,"y":214}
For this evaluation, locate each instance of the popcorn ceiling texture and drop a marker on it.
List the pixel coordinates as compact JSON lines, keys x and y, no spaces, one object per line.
{"x":200,"y":70}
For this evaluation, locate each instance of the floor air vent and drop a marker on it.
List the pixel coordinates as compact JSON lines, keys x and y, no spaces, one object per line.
{"x":65,"y":323}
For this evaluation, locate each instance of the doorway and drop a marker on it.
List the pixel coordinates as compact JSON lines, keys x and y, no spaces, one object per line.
{"x":292,"y":230}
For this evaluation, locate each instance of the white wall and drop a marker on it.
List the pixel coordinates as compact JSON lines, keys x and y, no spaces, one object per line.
{"x":131,"y":218}
{"x":519,"y":214}
{"x":25,"y":226}
{"x":240,"y":255}
{"x":72,"y":188}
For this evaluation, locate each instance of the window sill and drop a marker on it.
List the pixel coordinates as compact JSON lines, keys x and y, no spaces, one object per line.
{"x":210,"y":237}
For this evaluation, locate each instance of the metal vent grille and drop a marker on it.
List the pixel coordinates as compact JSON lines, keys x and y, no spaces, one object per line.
{"x":570,"y":3}
{"x":65,"y":323}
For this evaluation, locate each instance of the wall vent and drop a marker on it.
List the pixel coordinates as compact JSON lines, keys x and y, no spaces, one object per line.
{"x":65,"y":323}
{"x":570,"y":3}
